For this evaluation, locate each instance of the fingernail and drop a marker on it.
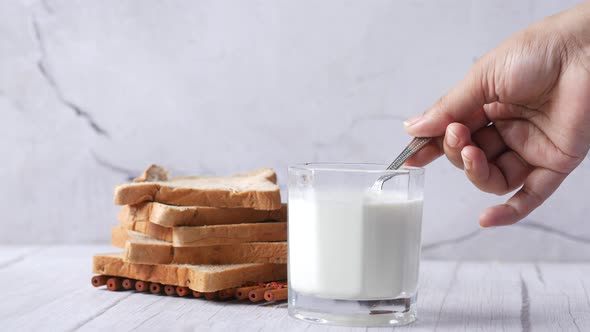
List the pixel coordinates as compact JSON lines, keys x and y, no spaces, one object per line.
{"x":466,"y":161}
{"x":413,"y":120}
{"x":452,"y":139}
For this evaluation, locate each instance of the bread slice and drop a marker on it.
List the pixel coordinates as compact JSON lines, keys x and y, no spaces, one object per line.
{"x":199,"y":236}
{"x":142,"y":249}
{"x":201,"y":278}
{"x":153,"y":230}
{"x":174,"y":216}
{"x":256,"y":190}
{"x":119,"y":235}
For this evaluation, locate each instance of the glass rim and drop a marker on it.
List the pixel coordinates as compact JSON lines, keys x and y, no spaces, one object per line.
{"x":356,"y":168}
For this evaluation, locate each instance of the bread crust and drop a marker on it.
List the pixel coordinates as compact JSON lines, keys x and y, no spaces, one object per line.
{"x":151,"y":252}
{"x":175,"y":216}
{"x":142,"y":249}
{"x":256,"y":190}
{"x":198,"y":236}
{"x":201,"y":278}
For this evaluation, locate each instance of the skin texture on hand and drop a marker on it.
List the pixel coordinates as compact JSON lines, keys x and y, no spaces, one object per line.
{"x":520,"y":119}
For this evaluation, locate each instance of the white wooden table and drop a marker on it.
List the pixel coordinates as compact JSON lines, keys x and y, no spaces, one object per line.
{"x":48,"y":289}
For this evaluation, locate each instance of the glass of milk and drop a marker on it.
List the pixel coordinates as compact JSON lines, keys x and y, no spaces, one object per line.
{"x":354,"y":251}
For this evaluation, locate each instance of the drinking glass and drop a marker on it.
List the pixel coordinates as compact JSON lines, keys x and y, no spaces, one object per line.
{"x":354,"y":250}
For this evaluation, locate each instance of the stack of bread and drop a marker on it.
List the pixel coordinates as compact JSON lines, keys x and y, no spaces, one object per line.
{"x":216,"y":237}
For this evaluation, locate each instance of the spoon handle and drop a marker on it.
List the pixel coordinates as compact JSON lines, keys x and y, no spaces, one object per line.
{"x":416,"y":144}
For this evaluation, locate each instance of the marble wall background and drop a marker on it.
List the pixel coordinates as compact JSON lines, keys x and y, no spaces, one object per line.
{"x":93,"y":91}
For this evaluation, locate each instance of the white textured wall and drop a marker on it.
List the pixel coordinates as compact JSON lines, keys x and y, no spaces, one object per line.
{"x":93,"y":91}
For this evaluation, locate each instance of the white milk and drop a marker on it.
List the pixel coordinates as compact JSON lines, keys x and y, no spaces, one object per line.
{"x":350,"y":245}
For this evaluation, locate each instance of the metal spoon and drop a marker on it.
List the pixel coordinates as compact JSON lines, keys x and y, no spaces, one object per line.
{"x":415,"y":145}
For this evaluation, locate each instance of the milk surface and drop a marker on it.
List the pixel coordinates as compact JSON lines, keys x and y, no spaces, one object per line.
{"x":351,"y":245}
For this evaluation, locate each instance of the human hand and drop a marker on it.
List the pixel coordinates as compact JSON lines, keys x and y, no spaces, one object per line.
{"x":520,"y":118}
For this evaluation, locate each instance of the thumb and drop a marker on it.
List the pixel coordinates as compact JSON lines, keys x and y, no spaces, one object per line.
{"x":467,"y":97}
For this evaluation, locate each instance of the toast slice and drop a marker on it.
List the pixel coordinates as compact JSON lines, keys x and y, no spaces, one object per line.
{"x":153,"y":230}
{"x":256,"y":190}
{"x":201,"y":278}
{"x":142,"y":249}
{"x":174,"y":216}
{"x":199,"y":236}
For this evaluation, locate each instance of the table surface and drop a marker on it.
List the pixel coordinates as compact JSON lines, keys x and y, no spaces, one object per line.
{"x":48,"y":288}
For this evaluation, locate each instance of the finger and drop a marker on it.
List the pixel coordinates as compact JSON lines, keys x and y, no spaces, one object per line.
{"x":489,"y":140}
{"x":507,"y":173}
{"x":457,"y":137}
{"x":435,"y":149}
{"x":466,"y":98}
{"x":426,"y":154}
{"x":538,"y":186}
